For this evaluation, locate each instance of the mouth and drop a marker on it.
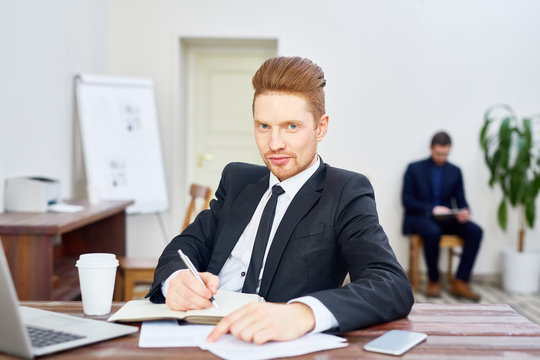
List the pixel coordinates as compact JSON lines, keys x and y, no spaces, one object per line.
{"x":279,"y":160}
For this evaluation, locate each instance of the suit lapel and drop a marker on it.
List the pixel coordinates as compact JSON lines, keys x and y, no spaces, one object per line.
{"x":304,"y":200}
{"x":235,"y":222}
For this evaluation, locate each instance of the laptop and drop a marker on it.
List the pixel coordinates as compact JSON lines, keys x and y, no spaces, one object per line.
{"x":29,"y":332}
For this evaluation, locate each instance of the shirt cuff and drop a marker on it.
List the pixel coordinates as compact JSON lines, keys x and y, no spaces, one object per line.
{"x":324,"y":319}
{"x":165,"y":284}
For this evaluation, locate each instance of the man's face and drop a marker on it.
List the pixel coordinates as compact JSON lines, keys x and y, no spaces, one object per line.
{"x":439,"y":154}
{"x":286,"y":133}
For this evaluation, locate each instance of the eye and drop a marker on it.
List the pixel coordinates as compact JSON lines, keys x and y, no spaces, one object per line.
{"x":292,"y":126}
{"x":263,"y":126}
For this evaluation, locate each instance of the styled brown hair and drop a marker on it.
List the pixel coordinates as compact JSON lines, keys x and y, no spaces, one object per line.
{"x":441,"y":138}
{"x":295,"y":75}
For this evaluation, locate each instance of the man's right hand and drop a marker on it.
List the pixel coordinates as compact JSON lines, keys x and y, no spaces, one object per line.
{"x":187,"y":293}
{"x":441,"y":210}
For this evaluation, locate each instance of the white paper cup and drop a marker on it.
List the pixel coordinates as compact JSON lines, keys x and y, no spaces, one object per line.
{"x":97,"y":273}
{"x":93,"y":194}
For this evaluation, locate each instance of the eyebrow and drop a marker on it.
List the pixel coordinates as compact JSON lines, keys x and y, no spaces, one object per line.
{"x":280,"y":123}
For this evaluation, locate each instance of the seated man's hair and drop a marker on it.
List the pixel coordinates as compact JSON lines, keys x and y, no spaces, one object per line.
{"x":441,"y":138}
{"x":295,"y":75}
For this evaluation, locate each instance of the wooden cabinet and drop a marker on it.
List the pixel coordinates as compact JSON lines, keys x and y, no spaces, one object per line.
{"x":42,"y":248}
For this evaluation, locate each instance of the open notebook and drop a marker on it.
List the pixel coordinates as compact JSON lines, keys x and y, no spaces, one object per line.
{"x":141,"y":310}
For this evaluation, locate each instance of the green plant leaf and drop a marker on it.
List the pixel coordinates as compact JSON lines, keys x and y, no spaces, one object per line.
{"x":523,"y":158}
{"x":511,"y":161}
{"x":505,"y":140}
{"x":505,"y":132}
{"x":483,"y":139}
{"x":527,"y":132}
{"x":526,"y":190}
{"x":492,"y":166}
{"x":513,"y":189}
{"x":503,"y":182}
{"x":502,"y":214}
{"x":536,"y":184}
{"x":530,"y":212}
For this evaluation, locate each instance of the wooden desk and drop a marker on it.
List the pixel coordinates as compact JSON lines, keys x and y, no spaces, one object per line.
{"x":42,"y":248}
{"x":456,"y":331}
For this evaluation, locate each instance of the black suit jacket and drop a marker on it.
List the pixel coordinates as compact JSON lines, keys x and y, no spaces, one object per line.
{"x":417,"y":195}
{"x":330,"y":228}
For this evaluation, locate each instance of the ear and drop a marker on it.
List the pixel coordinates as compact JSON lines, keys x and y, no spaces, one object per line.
{"x":322,"y":127}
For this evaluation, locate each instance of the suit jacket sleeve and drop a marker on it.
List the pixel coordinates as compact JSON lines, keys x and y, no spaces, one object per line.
{"x":379,"y":290}
{"x":411,"y":201}
{"x":461,"y":202}
{"x":196,"y":241}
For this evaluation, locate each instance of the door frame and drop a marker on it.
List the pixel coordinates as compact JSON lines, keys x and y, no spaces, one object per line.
{"x":189,"y":48}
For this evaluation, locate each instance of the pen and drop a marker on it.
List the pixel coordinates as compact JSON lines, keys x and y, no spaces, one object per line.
{"x":195,"y":273}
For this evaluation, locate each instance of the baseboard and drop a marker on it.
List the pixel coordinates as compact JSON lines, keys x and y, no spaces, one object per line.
{"x":478,"y":278}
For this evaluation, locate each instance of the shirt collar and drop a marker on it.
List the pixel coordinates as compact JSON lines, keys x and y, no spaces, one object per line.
{"x":293,"y":184}
{"x":432,"y":163}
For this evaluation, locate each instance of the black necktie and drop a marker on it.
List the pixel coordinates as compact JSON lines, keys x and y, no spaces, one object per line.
{"x":261,"y":239}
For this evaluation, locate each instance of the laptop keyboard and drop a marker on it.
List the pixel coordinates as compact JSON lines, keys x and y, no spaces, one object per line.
{"x":44,"y":337}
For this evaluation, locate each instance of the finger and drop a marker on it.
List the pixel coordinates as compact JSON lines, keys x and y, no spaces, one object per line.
{"x":263,"y":336}
{"x":175,"y":299}
{"x":193,"y":300}
{"x":211,"y":281}
{"x":220,"y":329}
{"x":194,"y":285}
{"x":247,"y":327}
{"x":183,"y":295}
{"x":225,"y":324}
{"x":248,"y":322}
{"x":185,"y":299}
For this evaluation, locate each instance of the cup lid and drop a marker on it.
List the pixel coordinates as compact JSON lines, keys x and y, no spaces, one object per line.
{"x":97,"y":259}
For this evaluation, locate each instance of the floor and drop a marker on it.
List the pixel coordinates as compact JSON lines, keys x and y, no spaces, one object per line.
{"x":490,"y":290}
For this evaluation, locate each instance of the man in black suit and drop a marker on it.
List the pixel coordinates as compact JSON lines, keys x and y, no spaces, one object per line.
{"x":435,"y":204}
{"x":323,"y":224}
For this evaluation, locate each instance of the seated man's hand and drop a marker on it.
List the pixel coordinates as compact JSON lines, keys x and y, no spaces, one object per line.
{"x":262,"y":322}
{"x":187,"y":293}
{"x":463,"y":216}
{"x":441,"y":210}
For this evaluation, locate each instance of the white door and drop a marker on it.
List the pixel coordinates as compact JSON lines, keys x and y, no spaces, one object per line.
{"x":220,"y":99}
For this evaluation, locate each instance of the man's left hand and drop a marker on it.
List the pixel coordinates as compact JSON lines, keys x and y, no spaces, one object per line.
{"x":463,"y":216}
{"x":263,"y":322}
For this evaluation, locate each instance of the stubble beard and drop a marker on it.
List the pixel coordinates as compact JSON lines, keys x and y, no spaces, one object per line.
{"x":283,"y":173}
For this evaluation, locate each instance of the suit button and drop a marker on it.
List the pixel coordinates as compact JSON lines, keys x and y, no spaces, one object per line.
{"x":242,"y":274}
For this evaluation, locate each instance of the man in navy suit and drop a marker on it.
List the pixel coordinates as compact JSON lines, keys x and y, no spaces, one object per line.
{"x":324,"y":226}
{"x":435,"y":204}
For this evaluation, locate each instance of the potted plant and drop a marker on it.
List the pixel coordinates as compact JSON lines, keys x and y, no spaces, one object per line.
{"x":513,"y":159}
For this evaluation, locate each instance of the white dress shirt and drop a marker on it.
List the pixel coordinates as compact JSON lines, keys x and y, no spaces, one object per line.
{"x":232,"y":275}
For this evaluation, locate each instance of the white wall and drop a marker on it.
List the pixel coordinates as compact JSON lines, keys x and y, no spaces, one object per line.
{"x":43,"y":44}
{"x":397,"y":71}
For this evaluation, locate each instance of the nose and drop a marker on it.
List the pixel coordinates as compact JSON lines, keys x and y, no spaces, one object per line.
{"x":276,"y":141}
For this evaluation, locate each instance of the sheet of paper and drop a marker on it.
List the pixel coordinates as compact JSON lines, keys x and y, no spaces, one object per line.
{"x":231,"y":348}
{"x":65,"y":208}
{"x":167,"y":333}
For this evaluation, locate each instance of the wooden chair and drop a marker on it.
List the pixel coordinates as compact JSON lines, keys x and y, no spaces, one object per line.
{"x":450,"y":242}
{"x":133,"y":271}
{"x":196,"y":192}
